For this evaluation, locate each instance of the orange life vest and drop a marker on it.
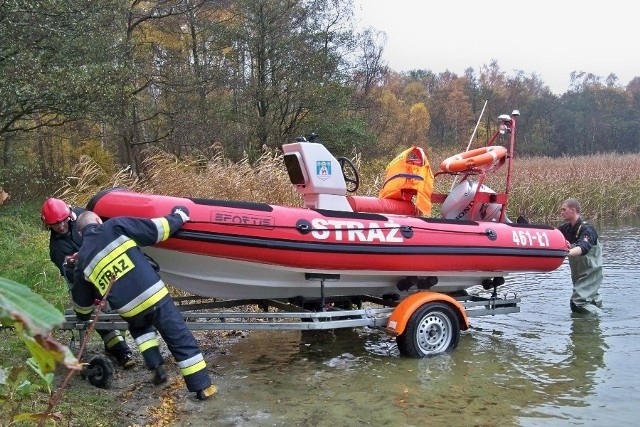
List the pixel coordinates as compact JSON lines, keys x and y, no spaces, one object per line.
{"x":408,"y":175}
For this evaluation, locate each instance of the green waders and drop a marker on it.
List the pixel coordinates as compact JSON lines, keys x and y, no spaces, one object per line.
{"x":586,"y":275}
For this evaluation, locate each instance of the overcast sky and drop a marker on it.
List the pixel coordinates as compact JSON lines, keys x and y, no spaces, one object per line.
{"x":550,"y":38}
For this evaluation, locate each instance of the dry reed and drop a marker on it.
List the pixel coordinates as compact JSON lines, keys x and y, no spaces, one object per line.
{"x":607,"y":185}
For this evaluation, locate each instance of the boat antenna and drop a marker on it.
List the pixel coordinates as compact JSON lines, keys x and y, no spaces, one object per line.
{"x":455,"y":178}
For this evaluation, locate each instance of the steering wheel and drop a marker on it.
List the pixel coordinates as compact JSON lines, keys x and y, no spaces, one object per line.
{"x":350,"y":174}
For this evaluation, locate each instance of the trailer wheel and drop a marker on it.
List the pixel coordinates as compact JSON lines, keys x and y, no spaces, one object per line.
{"x":432,"y":329}
{"x":100,"y":372}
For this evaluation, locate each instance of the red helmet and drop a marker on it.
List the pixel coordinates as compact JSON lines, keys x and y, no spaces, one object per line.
{"x":55,"y":211}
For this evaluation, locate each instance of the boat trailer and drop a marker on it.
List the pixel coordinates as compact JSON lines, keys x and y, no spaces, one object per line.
{"x":424,"y":323}
{"x":209,"y":314}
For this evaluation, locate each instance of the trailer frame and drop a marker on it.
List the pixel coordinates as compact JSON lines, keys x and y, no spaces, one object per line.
{"x":210,"y":314}
{"x":432,"y":322}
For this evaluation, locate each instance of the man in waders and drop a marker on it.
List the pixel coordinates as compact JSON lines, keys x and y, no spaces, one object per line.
{"x":585,"y":258}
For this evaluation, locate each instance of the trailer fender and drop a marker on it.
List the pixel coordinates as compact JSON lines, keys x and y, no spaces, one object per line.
{"x":402,"y":313}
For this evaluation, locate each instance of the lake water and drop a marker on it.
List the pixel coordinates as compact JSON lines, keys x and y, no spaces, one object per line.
{"x":542,"y":366}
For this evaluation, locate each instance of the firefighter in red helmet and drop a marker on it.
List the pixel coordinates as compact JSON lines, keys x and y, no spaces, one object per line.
{"x":64,"y":242}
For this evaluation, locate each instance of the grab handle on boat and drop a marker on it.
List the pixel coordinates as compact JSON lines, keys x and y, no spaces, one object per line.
{"x":303,"y":226}
{"x":491,"y":234}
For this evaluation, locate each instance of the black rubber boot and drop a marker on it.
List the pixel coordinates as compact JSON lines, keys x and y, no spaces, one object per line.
{"x":159,"y":375}
{"x":123,"y":355}
{"x":126,"y":360}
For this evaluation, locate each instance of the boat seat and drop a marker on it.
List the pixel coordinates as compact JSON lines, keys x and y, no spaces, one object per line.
{"x":383,"y":206}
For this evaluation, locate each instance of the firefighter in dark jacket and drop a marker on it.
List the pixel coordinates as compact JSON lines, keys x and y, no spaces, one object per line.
{"x":110,"y":252}
{"x":64,"y":242}
{"x":585,"y":258}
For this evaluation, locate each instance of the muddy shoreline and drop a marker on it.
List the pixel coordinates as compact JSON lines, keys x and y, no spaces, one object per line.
{"x":137,"y":402}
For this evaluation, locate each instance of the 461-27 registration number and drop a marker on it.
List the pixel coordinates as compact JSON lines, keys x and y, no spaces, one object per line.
{"x":528,"y":238}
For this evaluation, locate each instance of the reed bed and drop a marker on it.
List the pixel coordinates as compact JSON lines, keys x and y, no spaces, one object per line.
{"x":218,"y":178}
{"x":607,"y":185}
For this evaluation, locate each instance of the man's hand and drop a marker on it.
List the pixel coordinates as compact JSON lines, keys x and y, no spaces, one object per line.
{"x":70,"y":261}
{"x":182,"y":212}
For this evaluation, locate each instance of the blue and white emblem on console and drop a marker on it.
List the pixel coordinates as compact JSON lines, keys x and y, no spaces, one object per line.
{"x":323,"y":169}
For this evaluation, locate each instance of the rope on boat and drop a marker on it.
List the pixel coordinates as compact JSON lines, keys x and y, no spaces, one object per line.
{"x":306,"y":228}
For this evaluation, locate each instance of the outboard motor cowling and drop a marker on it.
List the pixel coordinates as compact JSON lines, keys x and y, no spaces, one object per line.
{"x":459,"y":203}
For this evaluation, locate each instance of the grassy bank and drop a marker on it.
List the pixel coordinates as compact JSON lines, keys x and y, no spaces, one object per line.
{"x":24,"y":249}
{"x":25,"y":259}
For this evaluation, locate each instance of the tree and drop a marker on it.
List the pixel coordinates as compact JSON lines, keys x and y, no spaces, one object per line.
{"x":143,"y":118}
{"x":58,"y":66}
{"x":59,"y":63}
{"x":458,"y":112}
{"x":370,"y":67}
{"x":288,"y":65}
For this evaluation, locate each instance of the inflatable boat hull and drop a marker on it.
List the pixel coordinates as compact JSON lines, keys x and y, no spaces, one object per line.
{"x":253,"y":250}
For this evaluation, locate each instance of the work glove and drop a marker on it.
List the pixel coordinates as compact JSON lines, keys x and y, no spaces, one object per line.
{"x":182,"y":212}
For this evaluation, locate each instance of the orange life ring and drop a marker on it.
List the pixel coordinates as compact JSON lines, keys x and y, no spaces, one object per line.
{"x":474,"y":159}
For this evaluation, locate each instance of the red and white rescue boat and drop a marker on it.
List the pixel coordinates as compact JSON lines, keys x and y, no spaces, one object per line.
{"x":341,"y":245}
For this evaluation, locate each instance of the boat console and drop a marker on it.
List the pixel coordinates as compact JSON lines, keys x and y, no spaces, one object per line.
{"x":317,"y":175}
{"x":320,"y":178}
